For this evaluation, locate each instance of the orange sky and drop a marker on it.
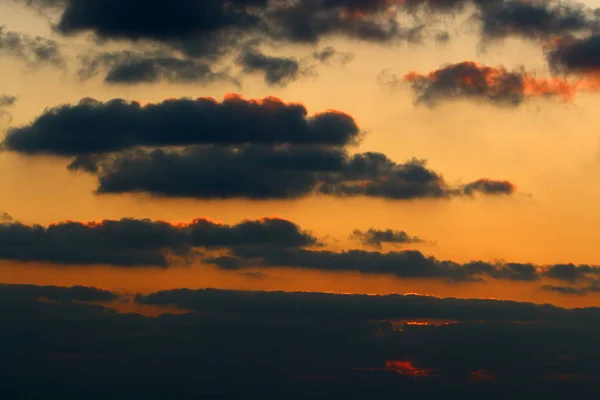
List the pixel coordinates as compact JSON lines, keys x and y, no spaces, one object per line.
{"x":549,"y":149}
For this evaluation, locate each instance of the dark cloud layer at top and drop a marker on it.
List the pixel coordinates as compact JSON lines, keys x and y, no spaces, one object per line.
{"x":473,"y":81}
{"x":97,"y":127}
{"x":209,"y":28}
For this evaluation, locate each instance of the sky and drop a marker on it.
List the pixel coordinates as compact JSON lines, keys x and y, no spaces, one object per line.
{"x":388,"y":175}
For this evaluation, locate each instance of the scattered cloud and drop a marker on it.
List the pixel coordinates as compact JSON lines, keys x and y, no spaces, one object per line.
{"x":377,"y":237}
{"x":34,"y":50}
{"x":478,"y":82}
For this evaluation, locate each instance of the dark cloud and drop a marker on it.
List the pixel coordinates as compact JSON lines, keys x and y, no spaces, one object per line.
{"x":405,"y":264}
{"x":487,"y":186}
{"x":572,"y":273}
{"x":127,"y":67}
{"x":276,"y":70}
{"x":576,"y":56}
{"x":262,"y":172}
{"x":536,"y":19}
{"x":205,"y":29}
{"x":470,"y":80}
{"x":253,"y":172}
{"x":119,"y":124}
{"x":34,"y":50}
{"x":131,"y":242}
{"x":377,"y":237}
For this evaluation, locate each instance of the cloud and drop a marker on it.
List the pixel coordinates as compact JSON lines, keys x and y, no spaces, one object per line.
{"x":277,"y":70}
{"x":139,"y":243}
{"x":328,"y":54}
{"x":377,"y":237}
{"x":128,"y":67}
{"x":497,"y":86}
{"x":207,"y":29}
{"x":34,"y":50}
{"x":264,"y":172}
{"x":487,"y":186}
{"x":571,"y":273}
{"x":571,"y":55}
{"x":7,"y":100}
{"x":536,"y":19}
{"x":410,"y":264}
{"x":119,"y":124}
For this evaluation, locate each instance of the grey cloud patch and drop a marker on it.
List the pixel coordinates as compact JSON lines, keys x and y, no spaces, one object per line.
{"x":139,"y":243}
{"x":377,"y":237}
{"x":329,"y":54}
{"x":7,"y":100}
{"x":34,"y":50}
{"x":263,"y":172}
{"x":276,"y":70}
{"x":128,"y":67}
{"x":119,"y":124}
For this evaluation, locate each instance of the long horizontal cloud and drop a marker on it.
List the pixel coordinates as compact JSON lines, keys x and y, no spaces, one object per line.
{"x":404,"y":264}
{"x":128,"y":67}
{"x":131,"y":242}
{"x":259,"y":172}
{"x":119,"y":124}
{"x":295,"y":345}
{"x":478,"y":82}
{"x":257,"y":304}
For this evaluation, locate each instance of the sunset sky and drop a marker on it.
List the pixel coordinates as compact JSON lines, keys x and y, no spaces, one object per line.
{"x":438,"y":149}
